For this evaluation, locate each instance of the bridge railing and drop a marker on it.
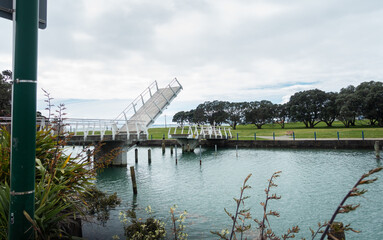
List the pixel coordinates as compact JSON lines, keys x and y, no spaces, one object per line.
{"x":147,"y":107}
{"x":138,"y":102}
{"x":99,"y":127}
{"x":41,"y":122}
{"x":201,"y":131}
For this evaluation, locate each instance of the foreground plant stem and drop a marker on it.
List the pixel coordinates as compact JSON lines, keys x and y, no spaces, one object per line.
{"x":350,"y":193}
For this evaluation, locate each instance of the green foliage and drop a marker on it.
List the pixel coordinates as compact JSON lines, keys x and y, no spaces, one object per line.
{"x":260,"y":113}
{"x":63,"y":191}
{"x":53,"y":208}
{"x":5,"y":146}
{"x":330,"y":109}
{"x":183,"y":117}
{"x":5,"y":93}
{"x":280,"y":114}
{"x":307,"y":106}
{"x":211,"y":112}
{"x":100,"y":203}
{"x":246,"y":132}
{"x":310,"y":107}
{"x":236,"y":113}
{"x":4,"y":209}
{"x":348,"y":106}
{"x":371,"y":106}
{"x":138,"y":229}
{"x":152,"y":228}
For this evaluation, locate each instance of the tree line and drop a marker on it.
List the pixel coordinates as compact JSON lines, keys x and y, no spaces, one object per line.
{"x":310,"y":107}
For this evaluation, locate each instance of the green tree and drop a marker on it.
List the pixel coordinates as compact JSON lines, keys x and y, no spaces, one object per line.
{"x":330,"y":110}
{"x":198,"y":115}
{"x":348,"y":105}
{"x":189,"y":116}
{"x":281,"y":113}
{"x":370,"y":95}
{"x":307,"y":106}
{"x":179,"y":118}
{"x":5,"y":93}
{"x":215,"y":112}
{"x":236,"y":113}
{"x":260,"y":113}
{"x":211,"y":112}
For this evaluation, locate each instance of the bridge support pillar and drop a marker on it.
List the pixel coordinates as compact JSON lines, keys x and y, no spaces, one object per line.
{"x":188,"y":145}
{"x":108,"y":148}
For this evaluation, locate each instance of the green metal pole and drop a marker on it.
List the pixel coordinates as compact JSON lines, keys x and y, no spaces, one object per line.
{"x":23,"y":148}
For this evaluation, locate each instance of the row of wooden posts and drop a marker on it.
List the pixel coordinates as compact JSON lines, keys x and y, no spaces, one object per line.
{"x":292,"y":133}
{"x":132,"y":172}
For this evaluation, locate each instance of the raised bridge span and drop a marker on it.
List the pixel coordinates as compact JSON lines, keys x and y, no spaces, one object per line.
{"x":131,"y":125}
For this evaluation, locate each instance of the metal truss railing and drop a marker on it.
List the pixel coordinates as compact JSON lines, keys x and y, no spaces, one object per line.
{"x":200,"y":131}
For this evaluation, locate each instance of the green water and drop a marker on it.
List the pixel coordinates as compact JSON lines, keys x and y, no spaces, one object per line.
{"x":312,"y":184}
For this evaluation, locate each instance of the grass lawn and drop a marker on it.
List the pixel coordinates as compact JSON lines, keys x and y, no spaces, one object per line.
{"x":246,"y":132}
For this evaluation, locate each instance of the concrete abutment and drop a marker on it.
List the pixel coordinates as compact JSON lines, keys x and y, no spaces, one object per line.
{"x":112,"y":149}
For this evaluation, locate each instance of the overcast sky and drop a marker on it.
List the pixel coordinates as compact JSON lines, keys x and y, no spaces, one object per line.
{"x":96,"y":56}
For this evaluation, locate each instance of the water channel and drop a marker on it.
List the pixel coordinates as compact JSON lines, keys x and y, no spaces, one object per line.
{"x":312,"y":184}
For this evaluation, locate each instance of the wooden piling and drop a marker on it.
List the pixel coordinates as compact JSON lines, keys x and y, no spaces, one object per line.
{"x":149,"y":156}
{"x":183,"y":148}
{"x":136,"y":155}
{"x":188,"y":148}
{"x":134,"y":183}
{"x":176,"y":152}
{"x":377,"y":149}
{"x":215,"y":149}
{"x":171,"y":150}
{"x":163,"y":147}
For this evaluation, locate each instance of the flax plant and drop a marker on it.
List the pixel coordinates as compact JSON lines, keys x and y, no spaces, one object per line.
{"x":64,"y":184}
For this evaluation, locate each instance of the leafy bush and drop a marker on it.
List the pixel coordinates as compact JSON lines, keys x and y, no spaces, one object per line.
{"x":138,"y":229}
{"x":152,"y":228}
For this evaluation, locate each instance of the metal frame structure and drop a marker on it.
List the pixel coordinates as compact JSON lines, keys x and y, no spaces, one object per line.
{"x":151,"y":103}
{"x":203,"y":132}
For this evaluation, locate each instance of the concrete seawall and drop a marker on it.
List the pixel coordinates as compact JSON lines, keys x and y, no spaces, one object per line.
{"x":298,"y":144}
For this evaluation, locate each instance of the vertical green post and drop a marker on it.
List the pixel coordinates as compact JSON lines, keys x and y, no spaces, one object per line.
{"x":23,"y":148}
